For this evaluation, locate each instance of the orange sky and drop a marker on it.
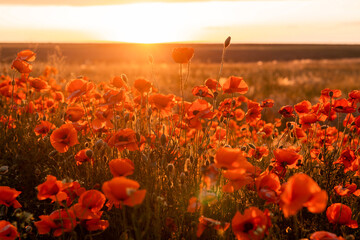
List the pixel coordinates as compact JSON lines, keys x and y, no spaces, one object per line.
{"x":145,"y":21}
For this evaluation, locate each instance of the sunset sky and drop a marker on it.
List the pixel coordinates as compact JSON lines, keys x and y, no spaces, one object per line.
{"x":283,"y":21}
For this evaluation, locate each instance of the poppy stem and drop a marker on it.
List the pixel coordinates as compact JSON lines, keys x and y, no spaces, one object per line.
{"x":87,"y":117}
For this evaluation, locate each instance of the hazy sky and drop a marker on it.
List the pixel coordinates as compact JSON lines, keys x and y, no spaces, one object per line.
{"x":286,"y":21}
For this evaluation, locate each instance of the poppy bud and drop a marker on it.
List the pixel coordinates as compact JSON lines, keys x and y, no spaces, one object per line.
{"x":151,"y":59}
{"x":182,"y":177}
{"x":89,"y":153}
{"x":124,"y":78}
{"x":28,"y":229}
{"x":331,"y":93}
{"x":53,"y":153}
{"x":13,"y":82}
{"x":4,"y":169}
{"x":324,"y":126}
{"x":170,"y":167}
{"x":211,"y":158}
{"x":87,"y":144}
{"x":99,"y":144}
{"x":144,"y":157}
{"x":163,"y":139}
{"x":138,"y":137}
{"x":207,"y":163}
{"x":227,"y":42}
{"x":105,"y":158}
{"x":350,"y":237}
{"x":252,"y":145}
{"x":215,"y":94}
{"x":243,"y":148}
{"x":187,"y":165}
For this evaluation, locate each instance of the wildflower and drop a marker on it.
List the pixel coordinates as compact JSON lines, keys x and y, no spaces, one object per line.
{"x":205,"y":222}
{"x":287,"y":111}
{"x":323,"y":235}
{"x":235,"y":85}
{"x":301,"y":190}
{"x":84,"y":155}
{"x":142,"y":85}
{"x":8,"y":197}
{"x":347,"y":190}
{"x":21,"y":66}
{"x":212,"y":84}
{"x":89,"y":205}
{"x":74,"y":113}
{"x":164,"y":103}
{"x":96,"y":224}
{"x":26,"y":55}
{"x":64,"y":137}
{"x":51,"y":188}
{"x":202,"y":91}
{"x":118,"y":82}
{"x":194,"y":205}
{"x":121,"y":167}
{"x":339,"y":213}
{"x":122,"y":191}
{"x":43,"y":128}
{"x":78,"y":87}
{"x":124,"y":138}
{"x":268,"y":187}
{"x":253,"y":224}
{"x":8,"y":231}
{"x":72,"y":190}
{"x":182,"y":55}
{"x":268,"y":103}
{"x":229,"y":158}
{"x":60,"y":221}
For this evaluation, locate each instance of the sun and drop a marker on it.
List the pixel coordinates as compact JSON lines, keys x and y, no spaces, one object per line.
{"x":145,"y":23}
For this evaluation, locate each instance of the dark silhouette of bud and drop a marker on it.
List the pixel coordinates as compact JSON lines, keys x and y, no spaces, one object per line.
{"x":227,"y":42}
{"x":89,"y":153}
{"x":124,"y":78}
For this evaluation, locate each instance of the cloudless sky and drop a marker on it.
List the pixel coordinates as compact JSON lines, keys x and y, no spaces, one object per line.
{"x":283,"y":21}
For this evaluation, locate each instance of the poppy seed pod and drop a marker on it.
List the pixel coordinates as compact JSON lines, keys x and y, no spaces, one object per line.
{"x":99,"y":144}
{"x":89,"y":153}
{"x":124,"y":78}
{"x":227,"y":42}
{"x":331,"y":93}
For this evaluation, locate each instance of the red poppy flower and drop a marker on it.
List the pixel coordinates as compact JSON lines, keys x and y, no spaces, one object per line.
{"x":96,"y":224}
{"x":240,"y":177}
{"x":142,"y":85}
{"x":286,"y":156}
{"x":8,"y":197}
{"x":287,"y":111}
{"x":74,"y":113}
{"x":209,"y":222}
{"x":339,"y":213}
{"x":72,"y":190}
{"x":85,"y":155}
{"x":64,"y":137}
{"x":268,"y":103}
{"x":182,"y":55}
{"x":26,"y":55}
{"x":301,"y":190}
{"x":268,"y":187}
{"x":212,"y":84}
{"x":199,"y":109}
{"x":327,"y":92}
{"x":121,"y":190}
{"x":124,"y":138}
{"x":202,"y":91}
{"x":21,"y":66}
{"x":8,"y":231}
{"x":60,"y":221}
{"x":252,"y":225}
{"x":194,"y":205}
{"x":229,"y":158}
{"x":121,"y":167}
{"x":51,"y":188}
{"x":163,"y":103}
{"x":78,"y":87}
{"x":254,"y":113}
{"x":347,"y":190}
{"x":303,"y":107}
{"x":235,"y":85}
{"x":118,"y":82}
{"x":43,"y":128}
{"x":39,"y":84}
{"x":323,"y":235}
{"x":343,"y":106}
{"x":89,"y":205}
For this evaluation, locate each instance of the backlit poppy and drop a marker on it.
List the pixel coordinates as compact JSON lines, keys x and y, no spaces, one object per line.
{"x":51,"y":188}
{"x":212,"y":84}
{"x":124,"y":138}
{"x":142,"y":85}
{"x":252,"y":225}
{"x":26,"y":55}
{"x":64,"y":137}
{"x":118,"y":82}
{"x":182,"y":55}
{"x":202,"y":91}
{"x":8,"y":231}
{"x":60,"y":221}
{"x":229,"y":158}
{"x":347,"y":190}
{"x":121,"y":190}
{"x":21,"y":66}
{"x":121,"y":167}
{"x":235,"y":85}
{"x":209,"y":222}
{"x":323,"y":235}
{"x":89,"y":205}
{"x":85,"y":155}
{"x":8,"y":197}
{"x":74,"y":113}
{"x":339,"y":213}
{"x":301,"y":190}
{"x":39,"y":84}
{"x":287,"y":111}
{"x":163,"y":103}
{"x":78,"y":87}
{"x":96,"y":224}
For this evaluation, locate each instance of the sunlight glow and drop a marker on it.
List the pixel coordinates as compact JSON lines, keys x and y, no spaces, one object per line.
{"x":154,"y":22}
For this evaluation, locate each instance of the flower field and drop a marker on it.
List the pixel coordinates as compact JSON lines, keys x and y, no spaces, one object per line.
{"x":127,"y":158}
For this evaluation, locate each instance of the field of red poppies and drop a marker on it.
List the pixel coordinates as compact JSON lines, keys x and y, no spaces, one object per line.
{"x":119,"y":159}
